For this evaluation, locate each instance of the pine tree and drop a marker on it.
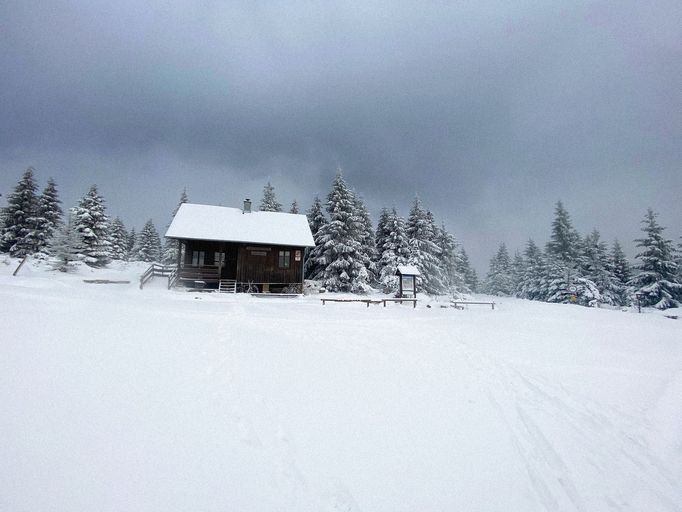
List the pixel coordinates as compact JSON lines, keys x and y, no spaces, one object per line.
{"x":565,"y":241}
{"x":366,"y":238}
{"x":294,"y":207}
{"x":340,"y":257}
{"x":533,"y":286}
{"x":269,"y":202}
{"x":655,"y":276}
{"x":48,"y":217}
{"x":119,"y":240}
{"x":394,"y":250}
{"x":19,"y":234}
{"x":171,"y":246}
{"x":148,"y":247}
{"x":563,"y":286}
{"x":423,"y":251}
{"x":316,"y":220}
{"x":468,"y":273}
{"x":518,"y":270}
{"x":132,"y":242}
{"x":381,"y":233}
{"x":92,"y":223}
{"x":66,"y":246}
{"x":597,"y":268}
{"x":498,"y":281}
{"x":449,"y":256}
{"x":620,"y":267}
{"x":562,"y":263}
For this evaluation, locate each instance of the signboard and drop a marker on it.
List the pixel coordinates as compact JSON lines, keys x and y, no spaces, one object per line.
{"x":297,"y":256}
{"x":572,"y":289}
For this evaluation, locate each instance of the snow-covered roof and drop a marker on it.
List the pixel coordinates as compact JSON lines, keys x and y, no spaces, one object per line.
{"x":219,"y":223}
{"x":408,"y":270}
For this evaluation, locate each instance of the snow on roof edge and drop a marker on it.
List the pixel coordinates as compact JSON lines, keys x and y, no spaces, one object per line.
{"x":228,"y":224}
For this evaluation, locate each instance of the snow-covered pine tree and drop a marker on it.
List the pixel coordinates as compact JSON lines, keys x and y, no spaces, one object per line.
{"x":92,"y":223}
{"x":498,"y":281}
{"x":564,"y":243}
{"x":48,"y":217}
{"x":269,"y":202}
{"x":340,"y":258}
{"x":450,"y":254}
{"x":423,"y":251}
{"x":171,"y":246}
{"x":394,"y":250}
{"x":597,"y":268}
{"x":533,"y":286}
{"x":66,"y":246}
{"x":316,"y":219}
{"x":294,"y":207}
{"x":119,"y":240}
{"x":656,"y":278}
{"x":148,"y":246}
{"x":381,"y":234}
{"x":620,"y":267}
{"x":558,"y":280}
{"x":132,"y":242}
{"x":468,"y":272}
{"x":366,"y":238}
{"x":19,"y":234}
{"x":562,"y":262}
{"x":518,"y":270}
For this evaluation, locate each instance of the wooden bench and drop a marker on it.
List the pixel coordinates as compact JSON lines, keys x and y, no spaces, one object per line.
{"x":104,"y":281}
{"x":466,"y":303}
{"x":401,"y":300}
{"x":276,"y":295}
{"x":366,"y":301}
{"x":371,"y":301}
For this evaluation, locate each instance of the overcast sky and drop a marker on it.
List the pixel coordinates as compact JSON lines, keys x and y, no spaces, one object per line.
{"x":490,"y":110}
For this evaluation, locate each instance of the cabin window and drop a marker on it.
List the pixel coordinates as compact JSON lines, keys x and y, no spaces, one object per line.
{"x":284,"y":259}
{"x":219,"y":258}
{"x":198,"y":258}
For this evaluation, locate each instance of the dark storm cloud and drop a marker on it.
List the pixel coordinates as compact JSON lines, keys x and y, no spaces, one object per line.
{"x":490,"y":110}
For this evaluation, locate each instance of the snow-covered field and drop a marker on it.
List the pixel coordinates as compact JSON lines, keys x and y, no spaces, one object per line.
{"x":116,"y":399}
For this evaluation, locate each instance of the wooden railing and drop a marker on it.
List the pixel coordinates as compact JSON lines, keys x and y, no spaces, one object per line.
{"x":172,"y":278}
{"x":155,"y":269}
{"x":208,"y":274}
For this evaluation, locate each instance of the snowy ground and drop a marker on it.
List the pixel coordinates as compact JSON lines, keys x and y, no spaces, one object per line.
{"x":116,"y":399}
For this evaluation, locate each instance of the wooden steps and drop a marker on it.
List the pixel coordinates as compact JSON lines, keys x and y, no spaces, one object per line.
{"x":227,"y":286}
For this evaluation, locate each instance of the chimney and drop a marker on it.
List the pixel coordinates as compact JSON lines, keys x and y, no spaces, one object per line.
{"x":247,"y":206}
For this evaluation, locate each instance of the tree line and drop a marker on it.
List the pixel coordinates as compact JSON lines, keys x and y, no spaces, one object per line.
{"x":584,"y":270}
{"x":35,"y":224}
{"x":349,"y":254}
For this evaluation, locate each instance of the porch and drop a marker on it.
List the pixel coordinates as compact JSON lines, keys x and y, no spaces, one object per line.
{"x":238,"y":267}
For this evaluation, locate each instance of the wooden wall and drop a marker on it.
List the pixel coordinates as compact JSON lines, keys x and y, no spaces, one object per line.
{"x":255,"y":263}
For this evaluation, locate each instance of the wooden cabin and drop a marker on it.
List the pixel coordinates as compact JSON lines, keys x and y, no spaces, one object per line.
{"x":232,"y":249}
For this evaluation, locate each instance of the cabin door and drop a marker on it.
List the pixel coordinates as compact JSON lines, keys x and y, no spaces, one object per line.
{"x":229,"y":270}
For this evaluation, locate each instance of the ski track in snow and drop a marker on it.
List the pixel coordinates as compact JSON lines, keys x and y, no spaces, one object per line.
{"x":529,"y":403}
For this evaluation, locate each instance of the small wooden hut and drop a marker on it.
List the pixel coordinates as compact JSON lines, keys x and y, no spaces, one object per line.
{"x":236,"y":249}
